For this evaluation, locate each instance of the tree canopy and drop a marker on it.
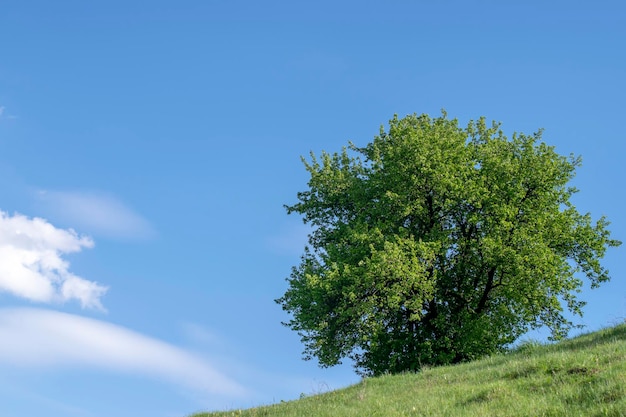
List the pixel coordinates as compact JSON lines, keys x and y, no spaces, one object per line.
{"x":437,"y":244}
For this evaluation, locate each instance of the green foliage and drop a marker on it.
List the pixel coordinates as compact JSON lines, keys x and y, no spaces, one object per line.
{"x":585,"y":376}
{"x":437,"y":244}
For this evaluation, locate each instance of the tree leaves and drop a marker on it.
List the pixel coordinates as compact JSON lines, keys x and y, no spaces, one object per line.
{"x":437,"y":244}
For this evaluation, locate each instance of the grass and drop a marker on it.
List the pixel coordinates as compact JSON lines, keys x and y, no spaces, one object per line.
{"x":584,"y":376}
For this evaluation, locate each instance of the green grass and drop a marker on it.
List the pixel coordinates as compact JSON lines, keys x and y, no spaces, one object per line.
{"x":584,"y":376}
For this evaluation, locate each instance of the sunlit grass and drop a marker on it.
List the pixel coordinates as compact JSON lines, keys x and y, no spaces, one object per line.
{"x":585,"y":376}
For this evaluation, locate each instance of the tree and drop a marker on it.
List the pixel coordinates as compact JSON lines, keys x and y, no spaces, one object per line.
{"x":437,"y":244}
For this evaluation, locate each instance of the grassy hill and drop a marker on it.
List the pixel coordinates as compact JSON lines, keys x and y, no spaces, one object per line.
{"x":584,"y":376}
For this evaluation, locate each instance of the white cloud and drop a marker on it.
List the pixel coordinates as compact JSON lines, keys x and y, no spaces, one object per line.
{"x":31,"y":263}
{"x":8,"y":116}
{"x":199,"y":334}
{"x":35,"y":338}
{"x":96,"y":213}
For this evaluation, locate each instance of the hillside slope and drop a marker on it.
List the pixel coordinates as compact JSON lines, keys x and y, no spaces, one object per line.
{"x":584,"y":376}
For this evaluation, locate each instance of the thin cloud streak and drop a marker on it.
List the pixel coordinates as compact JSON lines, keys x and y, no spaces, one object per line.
{"x":7,"y":116}
{"x":44,"y":338}
{"x":96,"y":213}
{"x":32,"y":264}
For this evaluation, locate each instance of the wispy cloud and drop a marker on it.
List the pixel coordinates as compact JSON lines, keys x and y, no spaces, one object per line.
{"x":32,"y":264}
{"x":3,"y":114}
{"x":96,"y":213}
{"x":36,"y":338}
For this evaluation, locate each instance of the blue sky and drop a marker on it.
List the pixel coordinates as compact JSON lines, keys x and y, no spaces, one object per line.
{"x":168,"y":135}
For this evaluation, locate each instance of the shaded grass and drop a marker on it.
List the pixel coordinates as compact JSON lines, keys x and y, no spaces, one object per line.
{"x":584,"y":376}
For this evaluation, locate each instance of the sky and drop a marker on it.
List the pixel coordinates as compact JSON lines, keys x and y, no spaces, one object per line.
{"x":147,"y":150}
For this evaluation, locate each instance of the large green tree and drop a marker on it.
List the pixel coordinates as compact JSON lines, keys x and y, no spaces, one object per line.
{"x":437,"y":244}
